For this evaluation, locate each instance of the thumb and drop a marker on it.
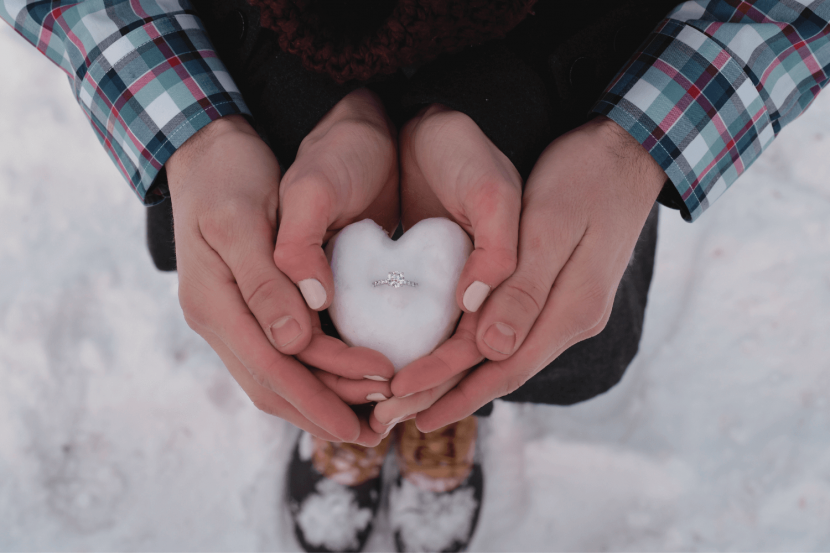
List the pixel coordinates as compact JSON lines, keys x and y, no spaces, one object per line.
{"x":305,"y":210}
{"x":493,"y":210}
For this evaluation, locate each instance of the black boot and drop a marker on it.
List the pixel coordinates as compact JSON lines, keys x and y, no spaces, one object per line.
{"x":334,"y":493}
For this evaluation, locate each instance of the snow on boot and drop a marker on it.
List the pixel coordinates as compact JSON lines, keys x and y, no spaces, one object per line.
{"x":435,"y":502}
{"x":334,"y":492}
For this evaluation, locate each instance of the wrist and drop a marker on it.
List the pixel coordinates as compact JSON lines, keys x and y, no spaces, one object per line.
{"x":632,"y":156}
{"x":213,"y":133}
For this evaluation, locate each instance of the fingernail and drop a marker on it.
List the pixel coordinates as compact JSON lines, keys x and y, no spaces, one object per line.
{"x":313,"y":292}
{"x":407,"y":395}
{"x":285,"y":331}
{"x":393,"y":422}
{"x":501,"y":338}
{"x":474,"y":296}
{"x":388,"y":430}
{"x":375,"y":378}
{"x":376,"y":396}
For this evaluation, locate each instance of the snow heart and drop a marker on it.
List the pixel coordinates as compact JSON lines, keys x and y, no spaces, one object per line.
{"x":397,"y":297}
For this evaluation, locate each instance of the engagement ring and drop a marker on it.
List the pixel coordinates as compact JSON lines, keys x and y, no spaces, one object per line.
{"x":395,"y":280}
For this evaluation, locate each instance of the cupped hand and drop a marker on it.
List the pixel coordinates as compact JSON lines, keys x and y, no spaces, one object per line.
{"x":584,"y":206}
{"x":224,"y":188}
{"x":449,"y":168}
{"x":346,"y":170}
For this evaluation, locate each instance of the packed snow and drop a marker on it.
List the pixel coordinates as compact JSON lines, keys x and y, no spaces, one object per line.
{"x":331,"y":517}
{"x":428,"y":521}
{"x":408,"y":318}
{"x":121,"y":430}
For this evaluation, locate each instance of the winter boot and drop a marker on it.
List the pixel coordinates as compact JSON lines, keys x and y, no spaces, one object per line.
{"x":334,"y":492}
{"x":435,"y":502}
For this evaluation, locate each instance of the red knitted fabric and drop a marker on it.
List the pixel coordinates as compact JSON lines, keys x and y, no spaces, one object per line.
{"x":416,"y":31}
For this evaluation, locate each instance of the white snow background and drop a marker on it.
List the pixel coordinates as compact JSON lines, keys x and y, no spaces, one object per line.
{"x":121,"y":430}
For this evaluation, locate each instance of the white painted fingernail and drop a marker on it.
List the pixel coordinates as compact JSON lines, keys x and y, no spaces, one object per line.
{"x":388,"y":430}
{"x":375,"y":377}
{"x":376,"y":396}
{"x":393,"y":422}
{"x":313,"y":292}
{"x":407,"y":395}
{"x":474,"y":296}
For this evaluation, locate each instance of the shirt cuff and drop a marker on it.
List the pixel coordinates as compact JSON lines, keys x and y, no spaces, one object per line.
{"x":695,"y":110}
{"x":151,"y":90}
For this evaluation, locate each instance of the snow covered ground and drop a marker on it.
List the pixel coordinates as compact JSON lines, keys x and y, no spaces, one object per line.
{"x":120,"y":429}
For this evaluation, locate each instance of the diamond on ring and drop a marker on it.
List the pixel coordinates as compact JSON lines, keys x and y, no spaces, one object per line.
{"x":395,"y":280}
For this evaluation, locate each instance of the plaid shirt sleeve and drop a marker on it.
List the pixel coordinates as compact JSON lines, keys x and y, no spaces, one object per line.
{"x":143,"y":71}
{"x":713,"y":85}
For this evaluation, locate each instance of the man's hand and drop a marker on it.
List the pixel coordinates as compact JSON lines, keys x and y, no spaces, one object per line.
{"x":584,"y":206}
{"x":224,"y":186}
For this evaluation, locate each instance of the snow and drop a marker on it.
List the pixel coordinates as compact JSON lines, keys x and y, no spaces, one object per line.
{"x":407,"y":322}
{"x":332,"y":518}
{"x":121,"y":430}
{"x":428,"y":521}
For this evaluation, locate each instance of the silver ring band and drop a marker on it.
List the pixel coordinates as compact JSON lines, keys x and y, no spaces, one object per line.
{"x":395,"y":279}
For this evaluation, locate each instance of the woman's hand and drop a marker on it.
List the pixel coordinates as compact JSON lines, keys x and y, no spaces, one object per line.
{"x":224,"y":186}
{"x":346,"y":170}
{"x":449,"y":168}
{"x":584,"y":206}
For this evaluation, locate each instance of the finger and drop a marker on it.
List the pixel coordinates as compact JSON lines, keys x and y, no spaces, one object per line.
{"x":245,"y":243}
{"x":457,"y":354}
{"x":305,"y":210}
{"x":386,"y":429}
{"x":545,"y":246}
{"x":493,"y":210}
{"x":575,"y":312}
{"x":332,"y":355}
{"x":367,"y":437}
{"x":228,"y":317}
{"x":396,"y":409}
{"x":354,"y":392}
{"x":264,"y":399}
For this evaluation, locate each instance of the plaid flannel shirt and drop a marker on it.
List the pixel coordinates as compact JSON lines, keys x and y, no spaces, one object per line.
{"x":143,"y":71}
{"x":705,"y":94}
{"x":713,"y":85}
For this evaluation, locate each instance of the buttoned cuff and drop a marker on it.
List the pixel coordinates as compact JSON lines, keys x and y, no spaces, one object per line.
{"x":151,"y":90}
{"x":692,"y":106}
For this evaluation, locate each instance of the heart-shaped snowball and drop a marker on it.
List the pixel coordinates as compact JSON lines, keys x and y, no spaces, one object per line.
{"x":397,"y":297}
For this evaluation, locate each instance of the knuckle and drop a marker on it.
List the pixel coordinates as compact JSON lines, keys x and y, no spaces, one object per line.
{"x":508,"y":386}
{"x":505,"y":261}
{"x":193,"y":307}
{"x":529,"y":295}
{"x":286,"y":255}
{"x":512,"y":383}
{"x":191,"y":322}
{"x":590,"y":313}
{"x":261,"y":290}
{"x":260,"y":379}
